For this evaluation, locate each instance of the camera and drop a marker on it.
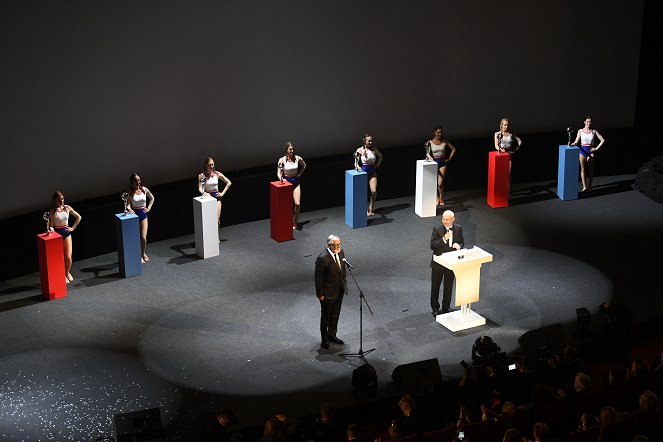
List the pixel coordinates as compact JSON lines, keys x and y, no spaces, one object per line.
{"x":465,"y":365}
{"x":461,"y":435}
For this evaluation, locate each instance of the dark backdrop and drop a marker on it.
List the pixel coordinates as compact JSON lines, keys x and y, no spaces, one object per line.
{"x":98,"y":90}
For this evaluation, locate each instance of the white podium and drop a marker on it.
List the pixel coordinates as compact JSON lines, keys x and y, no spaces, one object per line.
{"x":206,"y":229}
{"x":425,"y":196}
{"x":466,"y":264}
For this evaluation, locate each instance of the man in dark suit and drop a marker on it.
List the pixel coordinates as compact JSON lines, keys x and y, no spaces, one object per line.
{"x":445,"y":238}
{"x":330,"y":286}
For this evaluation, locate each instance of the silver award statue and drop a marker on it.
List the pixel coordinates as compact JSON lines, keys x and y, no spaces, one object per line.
{"x":125,"y":200}
{"x":569,"y":131}
{"x":427,"y":148}
{"x":202,"y":185}
{"x":47,"y":216}
{"x":281,"y":167}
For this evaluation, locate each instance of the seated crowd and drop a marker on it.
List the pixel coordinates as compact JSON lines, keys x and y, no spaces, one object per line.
{"x":552,"y":397}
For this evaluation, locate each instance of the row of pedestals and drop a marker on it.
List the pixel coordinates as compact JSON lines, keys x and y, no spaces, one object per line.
{"x":50,"y":247}
{"x":425,"y":201}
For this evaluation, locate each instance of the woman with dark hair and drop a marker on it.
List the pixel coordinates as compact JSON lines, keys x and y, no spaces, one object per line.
{"x":58,"y":220}
{"x":139,"y":201}
{"x":290,"y":167}
{"x":368,"y":159}
{"x":585,"y":140}
{"x":436,"y":150}
{"x":208,"y":182}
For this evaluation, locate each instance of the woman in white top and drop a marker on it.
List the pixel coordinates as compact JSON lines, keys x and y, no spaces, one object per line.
{"x":208,"y":183}
{"x":290,"y":167}
{"x":367,"y":159}
{"x":586,"y":141}
{"x":59,"y":221}
{"x":506,"y":141}
{"x":436,"y":150}
{"x":139,"y":201}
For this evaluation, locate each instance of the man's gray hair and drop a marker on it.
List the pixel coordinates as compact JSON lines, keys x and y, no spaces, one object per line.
{"x":331,"y":238}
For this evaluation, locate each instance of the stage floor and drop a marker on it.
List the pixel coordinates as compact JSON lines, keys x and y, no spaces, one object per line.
{"x":242,"y":329}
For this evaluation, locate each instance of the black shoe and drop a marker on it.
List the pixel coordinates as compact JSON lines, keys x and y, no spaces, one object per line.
{"x":436,"y":312}
{"x":448,"y":310}
{"x":325,"y":345}
{"x":335,"y":340}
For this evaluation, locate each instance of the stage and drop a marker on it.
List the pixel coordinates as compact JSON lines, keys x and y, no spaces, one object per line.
{"x":242,"y":329}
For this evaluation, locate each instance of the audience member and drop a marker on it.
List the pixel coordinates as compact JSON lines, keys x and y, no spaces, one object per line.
{"x":541,"y":432}
{"x":326,"y":428}
{"x":413,"y":422}
{"x":353,"y":433}
{"x":272,"y":431}
{"x":582,"y":383}
{"x":512,"y":435}
{"x":639,"y":367}
{"x":616,"y":376}
{"x":226,"y":417}
{"x":648,"y":403}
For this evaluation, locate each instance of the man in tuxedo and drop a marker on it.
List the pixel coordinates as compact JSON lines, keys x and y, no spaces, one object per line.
{"x":330,"y":286}
{"x":445,"y":238}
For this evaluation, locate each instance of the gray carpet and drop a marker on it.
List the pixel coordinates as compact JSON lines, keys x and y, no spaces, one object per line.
{"x":241,"y":329}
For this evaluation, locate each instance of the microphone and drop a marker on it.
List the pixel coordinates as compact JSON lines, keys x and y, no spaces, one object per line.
{"x":347,"y":263}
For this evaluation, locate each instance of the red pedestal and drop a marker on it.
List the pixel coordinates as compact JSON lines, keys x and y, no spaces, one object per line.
{"x":498,"y":179}
{"x":51,"y":266}
{"x":280,"y":210}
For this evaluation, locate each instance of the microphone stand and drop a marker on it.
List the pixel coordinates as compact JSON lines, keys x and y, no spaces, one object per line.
{"x":361,"y":353}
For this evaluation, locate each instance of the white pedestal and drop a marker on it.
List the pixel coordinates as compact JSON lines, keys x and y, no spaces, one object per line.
{"x":206,"y":230}
{"x":466,"y":265}
{"x":425,"y":196}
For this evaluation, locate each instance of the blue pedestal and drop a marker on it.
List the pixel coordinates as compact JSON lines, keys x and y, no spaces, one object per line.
{"x":567,"y":173}
{"x":356,"y":198}
{"x":127,"y":233}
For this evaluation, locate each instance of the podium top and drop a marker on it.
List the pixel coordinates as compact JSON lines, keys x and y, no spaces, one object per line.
{"x":126,"y":215}
{"x":47,"y":236}
{"x":423,"y":163}
{"x":280,"y":184}
{"x":205,"y":199}
{"x":567,"y":147}
{"x":463,"y":257}
{"x":355,"y":172}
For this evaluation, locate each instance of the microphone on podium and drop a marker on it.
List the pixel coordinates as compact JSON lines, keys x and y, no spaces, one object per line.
{"x":347,"y":263}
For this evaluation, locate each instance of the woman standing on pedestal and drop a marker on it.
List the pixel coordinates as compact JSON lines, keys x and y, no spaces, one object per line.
{"x":290,"y":167}
{"x":367,"y":159}
{"x":59,"y":221}
{"x":208,"y":182}
{"x":585,"y":140}
{"x":505,"y":141}
{"x":436,"y":150}
{"x":139,"y":201}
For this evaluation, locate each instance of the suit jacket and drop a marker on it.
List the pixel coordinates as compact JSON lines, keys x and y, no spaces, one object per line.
{"x":439,"y":246}
{"x":329,"y":279}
